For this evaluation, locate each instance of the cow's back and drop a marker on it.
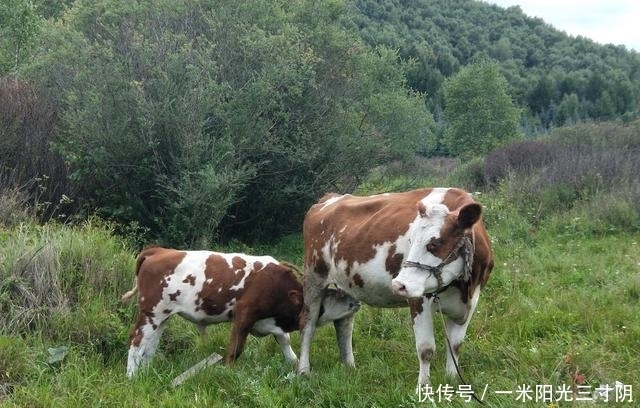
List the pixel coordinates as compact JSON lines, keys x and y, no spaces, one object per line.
{"x":201,"y":286}
{"x":348,"y":218}
{"x":356,"y":242}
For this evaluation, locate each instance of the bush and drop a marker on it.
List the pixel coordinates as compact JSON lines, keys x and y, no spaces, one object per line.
{"x":14,"y":208}
{"x":574,"y":166}
{"x":521,"y":157}
{"x":469,"y":175}
{"x":199,"y":142}
{"x":28,"y":125}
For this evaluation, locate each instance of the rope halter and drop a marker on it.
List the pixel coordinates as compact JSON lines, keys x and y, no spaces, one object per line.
{"x":464,"y":248}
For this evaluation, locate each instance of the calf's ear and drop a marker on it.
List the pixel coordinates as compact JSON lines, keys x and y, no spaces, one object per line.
{"x":295,"y":296}
{"x":469,"y":215}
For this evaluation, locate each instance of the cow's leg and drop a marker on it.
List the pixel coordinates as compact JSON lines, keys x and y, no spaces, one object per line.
{"x":242,"y":325}
{"x":456,"y":333}
{"x":313,"y":292}
{"x":344,"y":333}
{"x":284,"y":341}
{"x":144,"y":339}
{"x":423,"y":331}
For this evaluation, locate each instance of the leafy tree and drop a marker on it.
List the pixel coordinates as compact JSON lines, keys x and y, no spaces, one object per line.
{"x":19,"y":26}
{"x":209,"y":120}
{"x":479,"y":113}
{"x":568,"y":111}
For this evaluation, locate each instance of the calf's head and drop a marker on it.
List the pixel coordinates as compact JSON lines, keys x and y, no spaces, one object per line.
{"x":436,"y":255}
{"x":336,"y":305}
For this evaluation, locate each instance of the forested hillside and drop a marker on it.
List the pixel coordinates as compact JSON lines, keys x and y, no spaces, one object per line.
{"x":192,"y":122}
{"x":558,"y":79}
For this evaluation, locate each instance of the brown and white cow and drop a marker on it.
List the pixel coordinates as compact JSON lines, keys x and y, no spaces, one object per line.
{"x":259,"y":294}
{"x":427,"y":248}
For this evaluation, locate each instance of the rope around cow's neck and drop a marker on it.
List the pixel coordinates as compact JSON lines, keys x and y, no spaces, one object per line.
{"x":465,"y":247}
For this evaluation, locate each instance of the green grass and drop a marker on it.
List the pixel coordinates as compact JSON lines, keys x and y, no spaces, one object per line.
{"x":561,"y":305}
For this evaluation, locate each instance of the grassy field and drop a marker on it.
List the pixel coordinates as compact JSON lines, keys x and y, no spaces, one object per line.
{"x":560,"y":310}
{"x":558,"y":319}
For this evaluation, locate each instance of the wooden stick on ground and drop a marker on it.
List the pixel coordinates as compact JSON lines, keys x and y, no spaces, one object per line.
{"x":209,"y":361}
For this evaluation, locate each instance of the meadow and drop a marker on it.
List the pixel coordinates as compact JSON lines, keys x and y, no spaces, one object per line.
{"x":557,"y":321}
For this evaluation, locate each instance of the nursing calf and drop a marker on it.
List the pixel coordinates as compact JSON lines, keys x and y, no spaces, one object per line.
{"x":259,"y":294}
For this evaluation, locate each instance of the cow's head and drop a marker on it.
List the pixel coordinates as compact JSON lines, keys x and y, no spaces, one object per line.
{"x":437,"y":245}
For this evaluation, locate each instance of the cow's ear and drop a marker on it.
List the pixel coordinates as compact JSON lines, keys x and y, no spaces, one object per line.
{"x":469,"y":215}
{"x":295,"y":296}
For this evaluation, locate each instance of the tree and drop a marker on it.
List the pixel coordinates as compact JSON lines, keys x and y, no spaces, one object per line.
{"x":19,"y":25}
{"x":201,"y":120}
{"x":479,"y":113}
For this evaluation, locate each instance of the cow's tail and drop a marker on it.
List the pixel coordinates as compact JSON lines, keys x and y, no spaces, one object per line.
{"x":134,"y":291}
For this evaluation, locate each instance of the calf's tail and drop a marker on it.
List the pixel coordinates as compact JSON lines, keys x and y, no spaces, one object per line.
{"x":134,"y":290}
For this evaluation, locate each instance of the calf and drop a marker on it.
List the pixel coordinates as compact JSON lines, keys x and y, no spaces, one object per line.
{"x":425,"y":248}
{"x":257,"y":293}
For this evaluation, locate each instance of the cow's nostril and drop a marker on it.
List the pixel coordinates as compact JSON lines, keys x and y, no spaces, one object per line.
{"x":398,"y":287}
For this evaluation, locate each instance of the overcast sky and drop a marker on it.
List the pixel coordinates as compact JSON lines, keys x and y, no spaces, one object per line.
{"x":604,"y":21}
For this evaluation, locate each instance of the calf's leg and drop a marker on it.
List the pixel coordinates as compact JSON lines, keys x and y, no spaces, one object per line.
{"x":143,"y":343}
{"x":242,"y":324}
{"x":284,"y":341}
{"x":268,"y":326}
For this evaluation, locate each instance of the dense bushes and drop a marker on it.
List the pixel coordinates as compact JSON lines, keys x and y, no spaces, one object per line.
{"x":581,"y":178}
{"x":591,"y":169}
{"x":34,"y":173}
{"x":203,"y":121}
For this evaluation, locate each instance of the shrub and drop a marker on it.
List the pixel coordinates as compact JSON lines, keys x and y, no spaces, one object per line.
{"x":27,"y":163}
{"x":469,"y":175}
{"x":573,"y":166}
{"x":14,"y":208}
{"x":198,"y":142}
{"x":519,"y":157}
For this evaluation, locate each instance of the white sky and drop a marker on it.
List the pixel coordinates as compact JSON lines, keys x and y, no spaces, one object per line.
{"x":604,"y":21}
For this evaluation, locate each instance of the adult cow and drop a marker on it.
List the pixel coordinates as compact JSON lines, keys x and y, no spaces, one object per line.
{"x":259,"y":294}
{"x":427,"y":248}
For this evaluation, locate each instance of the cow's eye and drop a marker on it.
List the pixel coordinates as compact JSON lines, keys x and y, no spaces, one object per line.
{"x":433,"y":245}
